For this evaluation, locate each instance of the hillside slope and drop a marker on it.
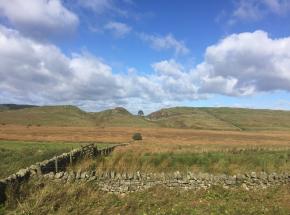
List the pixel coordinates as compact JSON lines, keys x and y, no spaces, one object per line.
{"x":252,"y":119}
{"x":186,"y":117}
{"x":47,"y":115}
{"x":222,"y":118}
{"x":120,"y":117}
{"x":4,"y":107}
{"x":178,"y":117}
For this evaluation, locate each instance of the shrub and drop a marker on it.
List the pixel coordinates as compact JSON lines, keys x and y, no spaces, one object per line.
{"x":137,"y":136}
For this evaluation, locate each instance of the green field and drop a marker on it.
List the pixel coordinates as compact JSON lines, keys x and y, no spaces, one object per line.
{"x":15,"y":155}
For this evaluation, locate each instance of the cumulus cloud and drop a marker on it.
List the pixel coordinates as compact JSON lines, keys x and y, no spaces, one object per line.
{"x":119,"y":29}
{"x":165,"y":43}
{"x":238,"y":65}
{"x":169,"y":68}
{"x":46,"y":76}
{"x":39,"y":18}
{"x":242,"y":64}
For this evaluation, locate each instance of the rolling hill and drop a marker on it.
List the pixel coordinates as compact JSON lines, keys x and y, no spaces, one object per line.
{"x":71,"y":116}
{"x":184,"y":117}
{"x":47,"y":115}
{"x":14,"y":106}
{"x":222,"y":118}
{"x":178,"y":117}
{"x":120,"y":117}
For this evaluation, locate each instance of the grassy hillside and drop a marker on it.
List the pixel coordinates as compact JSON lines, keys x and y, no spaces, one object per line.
{"x":179,"y":117}
{"x":252,"y":119}
{"x":222,"y":118}
{"x":120,"y":117}
{"x":182,"y":117}
{"x":4,"y":107}
{"x":47,"y":115}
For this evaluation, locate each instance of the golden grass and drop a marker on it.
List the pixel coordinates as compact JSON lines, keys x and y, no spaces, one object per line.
{"x":155,"y":139}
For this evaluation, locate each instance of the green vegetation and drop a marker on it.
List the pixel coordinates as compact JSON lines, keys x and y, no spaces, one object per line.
{"x":15,"y":155}
{"x":210,"y":162}
{"x":182,"y":117}
{"x":222,"y":118}
{"x":47,"y":115}
{"x":179,"y":117}
{"x":54,"y":198}
{"x":252,"y":119}
{"x":120,"y":117}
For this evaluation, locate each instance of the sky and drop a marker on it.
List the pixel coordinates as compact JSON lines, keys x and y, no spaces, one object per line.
{"x":145,"y":54}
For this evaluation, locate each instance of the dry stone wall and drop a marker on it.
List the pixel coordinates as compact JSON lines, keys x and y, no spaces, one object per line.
{"x":129,"y":182}
{"x":53,"y":165}
{"x":55,"y":170}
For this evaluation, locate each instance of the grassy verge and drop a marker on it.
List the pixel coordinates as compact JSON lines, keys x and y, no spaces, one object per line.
{"x":15,"y":155}
{"x":212,"y":162}
{"x":62,"y":199}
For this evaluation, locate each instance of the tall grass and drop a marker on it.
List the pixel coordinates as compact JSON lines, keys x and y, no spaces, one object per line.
{"x":212,"y":162}
{"x":58,"y":198}
{"x":15,"y":155}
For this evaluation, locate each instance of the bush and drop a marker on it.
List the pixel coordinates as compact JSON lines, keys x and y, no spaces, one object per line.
{"x":137,"y":136}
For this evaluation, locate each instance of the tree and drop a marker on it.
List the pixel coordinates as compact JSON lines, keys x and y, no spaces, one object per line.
{"x":140,"y":113}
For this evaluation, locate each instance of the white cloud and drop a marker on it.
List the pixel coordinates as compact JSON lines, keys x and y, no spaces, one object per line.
{"x":242,"y":64}
{"x":119,"y":29}
{"x":47,"y":76}
{"x":102,"y":6}
{"x":170,"y":68}
{"x":279,"y":7}
{"x":99,"y":6}
{"x":238,"y":65}
{"x":165,"y":43}
{"x":252,"y":10}
{"x":39,"y":18}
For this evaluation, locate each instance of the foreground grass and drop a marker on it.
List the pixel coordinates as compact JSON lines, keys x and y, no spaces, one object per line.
{"x":15,"y":155}
{"x":211,"y":162}
{"x":51,"y":198}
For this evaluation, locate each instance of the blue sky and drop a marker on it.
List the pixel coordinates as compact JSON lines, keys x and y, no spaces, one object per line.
{"x":146,"y":55}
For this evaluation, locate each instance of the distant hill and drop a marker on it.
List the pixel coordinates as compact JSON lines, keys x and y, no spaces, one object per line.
{"x":178,"y":117}
{"x":120,"y":117}
{"x":186,"y":117}
{"x":47,"y":115}
{"x":222,"y":118}
{"x":71,"y":116}
{"x":14,"y":106}
{"x":252,"y":119}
